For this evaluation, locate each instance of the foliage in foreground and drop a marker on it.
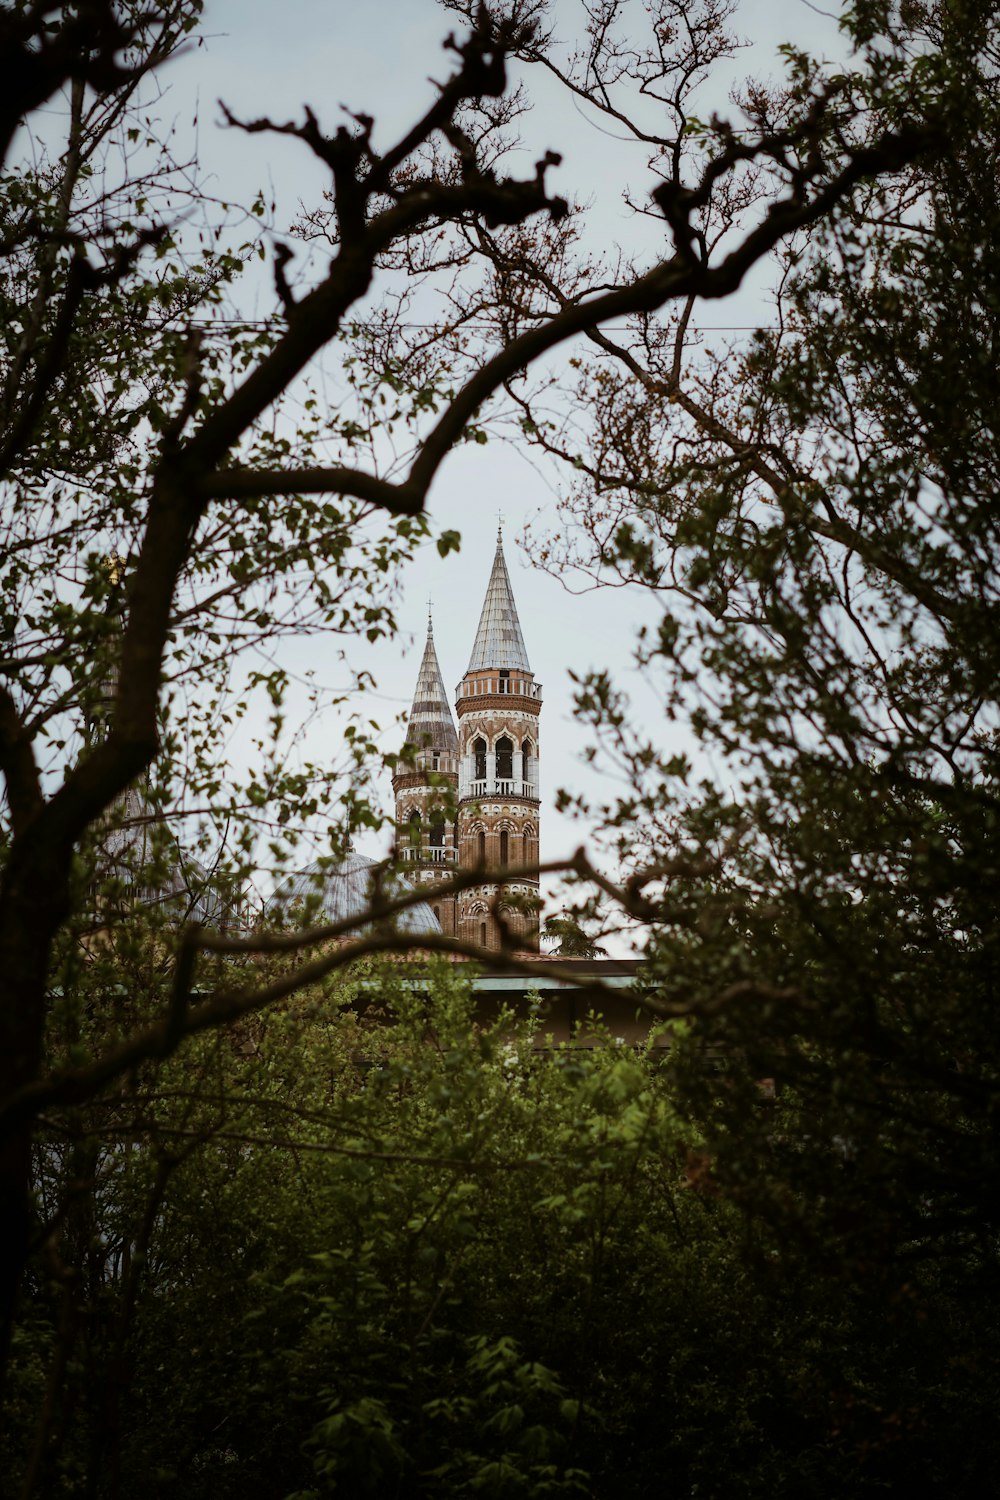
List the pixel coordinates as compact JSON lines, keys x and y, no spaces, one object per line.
{"x":814,"y":511}
{"x":393,"y":1253}
{"x":323,"y":1255}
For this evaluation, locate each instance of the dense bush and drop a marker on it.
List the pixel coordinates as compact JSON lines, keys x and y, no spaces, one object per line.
{"x":401,"y":1254}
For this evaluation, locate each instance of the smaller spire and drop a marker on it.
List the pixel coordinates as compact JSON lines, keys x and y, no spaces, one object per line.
{"x":431,"y":725}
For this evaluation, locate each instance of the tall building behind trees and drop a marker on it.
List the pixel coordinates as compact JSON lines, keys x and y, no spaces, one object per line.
{"x":467,"y":799}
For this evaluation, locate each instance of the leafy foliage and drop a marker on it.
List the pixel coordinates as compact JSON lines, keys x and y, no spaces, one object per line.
{"x":816,"y":511}
{"x":263,"y":1245}
{"x":406,"y":1253}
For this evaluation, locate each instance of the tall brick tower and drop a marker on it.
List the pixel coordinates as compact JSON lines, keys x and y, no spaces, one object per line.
{"x":425,"y":791}
{"x":498,"y":802}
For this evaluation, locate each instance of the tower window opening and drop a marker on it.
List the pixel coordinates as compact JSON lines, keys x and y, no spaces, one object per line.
{"x":437,"y":834}
{"x":505,"y":759}
{"x":437,"y":759}
{"x":414,"y":829}
{"x":504,"y":847}
{"x":482,"y":934}
{"x":481,"y":847}
{"x":437,"y":913}
{"x":504,"y":683}
{"x":525,"y":759}
{"x":479,"y":751}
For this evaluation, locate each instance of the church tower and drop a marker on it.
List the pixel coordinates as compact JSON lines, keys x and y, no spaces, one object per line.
{"x":498,"y":793}
{"x":425,"y":787}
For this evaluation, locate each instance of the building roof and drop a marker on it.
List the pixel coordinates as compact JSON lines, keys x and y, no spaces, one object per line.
{"x":335,"y":891}
{"x":153,"y":868}
{"x":431,"y":725}
{"x":499,"y":642}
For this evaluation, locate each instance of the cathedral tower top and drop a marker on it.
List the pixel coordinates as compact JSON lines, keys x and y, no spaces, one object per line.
{"x":499,"y":642}
{"x":470,"y":799}
{"x":425,"y":785}
{"x":498,"y":767}
{"x":431,"y":727}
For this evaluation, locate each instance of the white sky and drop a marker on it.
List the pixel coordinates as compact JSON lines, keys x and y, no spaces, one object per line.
{"x":267,"y":58}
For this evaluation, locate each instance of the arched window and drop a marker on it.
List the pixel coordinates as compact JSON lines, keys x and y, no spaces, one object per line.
{"x":505,"y":758}
{"x":504,"y":847}
{"x":437,"y":833}
{"x":482,"y":934}
{"x":414,"y":829}
{"x":481,"y":841}
{"x":479,"y":751}
{"x":525,"y":760}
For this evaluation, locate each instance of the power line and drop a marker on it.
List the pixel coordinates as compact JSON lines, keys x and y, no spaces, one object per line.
{"x":254,"y":325}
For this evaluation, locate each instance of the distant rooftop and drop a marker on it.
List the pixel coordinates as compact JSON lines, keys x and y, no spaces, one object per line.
{"x":336,"y":891}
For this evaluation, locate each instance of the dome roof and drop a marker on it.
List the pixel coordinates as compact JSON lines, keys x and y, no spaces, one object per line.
{"x":133,"y":853}
{"x":336,"y":890}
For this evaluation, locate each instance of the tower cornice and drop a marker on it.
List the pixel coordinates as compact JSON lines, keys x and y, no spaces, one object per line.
{"x":499,"y":703}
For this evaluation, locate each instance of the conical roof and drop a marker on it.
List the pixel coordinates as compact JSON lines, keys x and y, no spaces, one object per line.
{"x":431,"y":725}
{"x":499,"y":642}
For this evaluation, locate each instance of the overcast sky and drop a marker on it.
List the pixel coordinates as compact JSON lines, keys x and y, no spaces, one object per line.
{"x":262,"y":57}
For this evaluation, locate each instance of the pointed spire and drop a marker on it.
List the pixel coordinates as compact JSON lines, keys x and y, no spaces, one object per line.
{"x":431,"y":725}
{"x":499,"y":642}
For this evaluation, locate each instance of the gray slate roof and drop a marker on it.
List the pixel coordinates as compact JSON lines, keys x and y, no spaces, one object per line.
{"x":337,"y":891}
{"x":431,"y":725}
{"x":186,"y":891}
{"x":499,"y":642}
